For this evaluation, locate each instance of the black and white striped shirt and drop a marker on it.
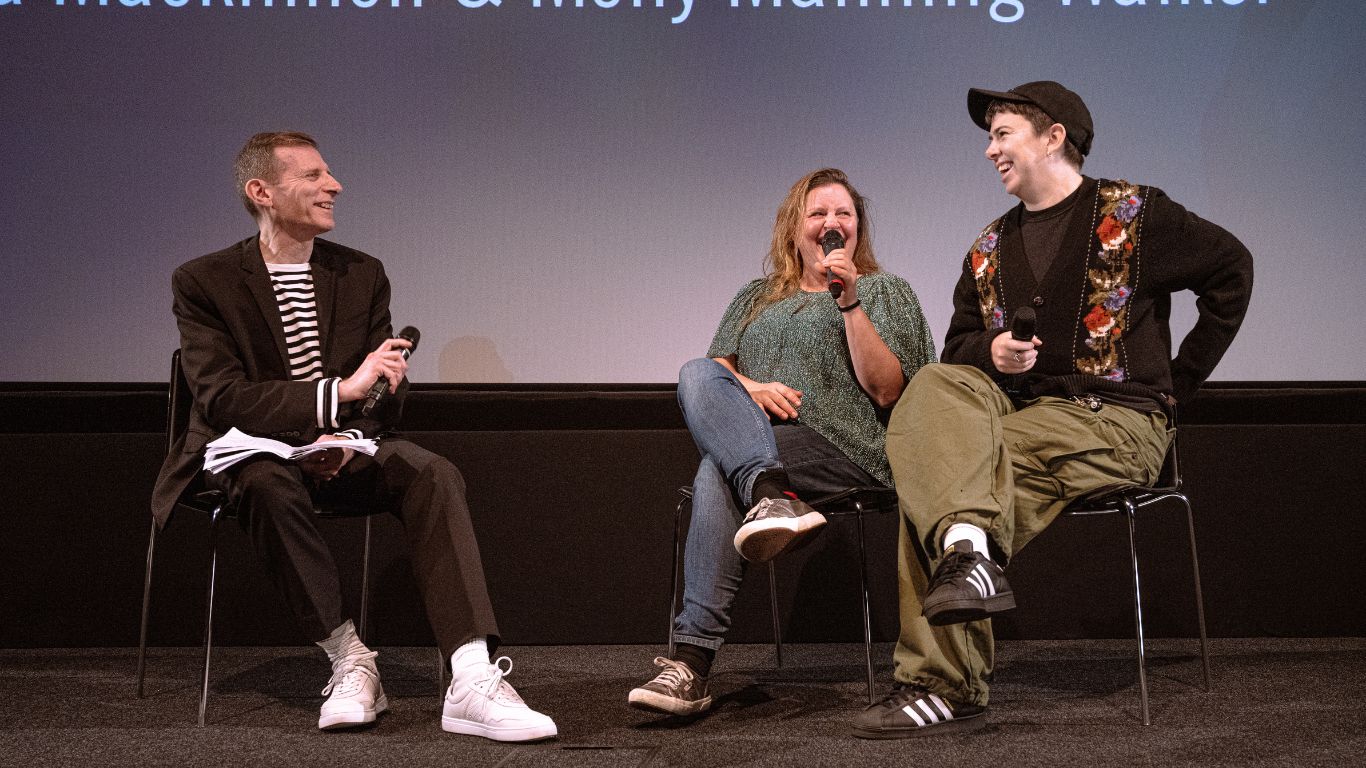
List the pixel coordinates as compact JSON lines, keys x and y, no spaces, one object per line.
{"x":293,"y":284}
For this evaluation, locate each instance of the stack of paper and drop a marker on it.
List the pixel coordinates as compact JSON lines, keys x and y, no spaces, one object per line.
{"x":235,"y":446}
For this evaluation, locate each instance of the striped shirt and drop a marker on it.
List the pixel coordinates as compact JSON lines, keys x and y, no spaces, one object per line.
{"x":293,"y":284}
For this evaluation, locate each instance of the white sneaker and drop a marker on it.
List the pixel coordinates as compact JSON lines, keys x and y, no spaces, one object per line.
{"x":356,"y":696}
{"x":481,"y":703}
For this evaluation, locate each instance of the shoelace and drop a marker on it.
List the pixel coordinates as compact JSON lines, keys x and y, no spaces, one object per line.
{"x":957,"y":564}
{"x":674,"y":674}
{"x":903,"y":694}
{"x":494,"y":687}
{"x":765,"y":509}
{"x":345,"y":679}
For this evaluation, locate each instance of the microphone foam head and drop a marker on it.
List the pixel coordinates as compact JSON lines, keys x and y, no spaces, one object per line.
{"x":411,"y":334}
{"x":1022,"y":326}
{"x":832,"y":240}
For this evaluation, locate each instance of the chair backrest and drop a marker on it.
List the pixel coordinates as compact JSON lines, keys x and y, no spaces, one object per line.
{"x":1170,"y":475}
{"x":872,"y":498}
{"x":178,"y":402}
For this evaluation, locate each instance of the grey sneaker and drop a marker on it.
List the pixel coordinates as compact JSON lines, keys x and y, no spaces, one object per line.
{"x":774,"y":526}
{"x":677,"y":690}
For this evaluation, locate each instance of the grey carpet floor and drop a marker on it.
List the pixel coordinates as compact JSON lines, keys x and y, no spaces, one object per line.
{"x":1274,"y":702}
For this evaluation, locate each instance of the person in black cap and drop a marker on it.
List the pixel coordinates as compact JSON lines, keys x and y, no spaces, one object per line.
{"x":989,"y":446}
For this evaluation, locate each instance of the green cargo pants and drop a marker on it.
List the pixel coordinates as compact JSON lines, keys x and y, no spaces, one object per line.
{"x":961,"y":452}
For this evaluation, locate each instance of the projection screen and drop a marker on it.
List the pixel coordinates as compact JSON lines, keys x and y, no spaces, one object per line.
{"x":571,"y":191}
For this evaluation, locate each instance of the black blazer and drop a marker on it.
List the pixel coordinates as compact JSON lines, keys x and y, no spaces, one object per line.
{"x":235,"y":357}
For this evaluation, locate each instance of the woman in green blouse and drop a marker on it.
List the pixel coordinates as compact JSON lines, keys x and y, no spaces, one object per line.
{"x":791,"y":400}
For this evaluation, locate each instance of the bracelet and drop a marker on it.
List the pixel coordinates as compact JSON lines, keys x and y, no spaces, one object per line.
{"x":851,"y":307}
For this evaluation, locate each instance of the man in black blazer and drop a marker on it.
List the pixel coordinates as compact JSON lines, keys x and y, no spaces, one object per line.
{"x":281,"y":336}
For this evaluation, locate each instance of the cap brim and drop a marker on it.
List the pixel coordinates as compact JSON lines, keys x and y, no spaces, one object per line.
{"x":979,"y":99}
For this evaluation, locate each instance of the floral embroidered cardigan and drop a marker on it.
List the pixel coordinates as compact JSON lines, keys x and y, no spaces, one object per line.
{"x":1103,"y":307}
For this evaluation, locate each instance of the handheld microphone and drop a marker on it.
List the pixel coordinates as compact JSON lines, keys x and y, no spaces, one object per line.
{"x":1021,"y":329}
{"x":381,"y":386}
{"x":1022,"y":326}
{"x":833,"y":240}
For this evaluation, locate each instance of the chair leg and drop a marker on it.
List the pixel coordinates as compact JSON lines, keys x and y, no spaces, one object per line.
{"x":208,"y":609}
{"x":1199,"y":595}
{"x":773,"y":604}
{"x":673,"y":569}
{"x":442,"y":667}
{"x":146,"y":606}
{"x":365,"y":581}
{"x":863,"y":584}
{"x":1130,"y":511}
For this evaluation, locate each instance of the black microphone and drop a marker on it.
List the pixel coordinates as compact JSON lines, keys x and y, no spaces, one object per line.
{"x":833,"y":240}
{"x":1021,"y":329}
{"x":1022,"y":326}
{"x":381,"y":386}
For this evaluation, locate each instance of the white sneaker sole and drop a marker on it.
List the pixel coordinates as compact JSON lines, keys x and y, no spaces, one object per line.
{"x":471,"y":728}
{"x":338,"y":720}
{"x":641,"y":698}
{"x":763,"y":540}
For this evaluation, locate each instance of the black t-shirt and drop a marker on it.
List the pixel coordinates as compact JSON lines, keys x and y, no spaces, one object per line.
{"x":1042,"y":232}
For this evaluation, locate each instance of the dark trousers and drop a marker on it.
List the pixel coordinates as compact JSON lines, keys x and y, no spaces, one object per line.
{"x":276,"y":502}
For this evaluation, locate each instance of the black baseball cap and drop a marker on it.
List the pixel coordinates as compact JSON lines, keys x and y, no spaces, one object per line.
{"x":1057,"y":102}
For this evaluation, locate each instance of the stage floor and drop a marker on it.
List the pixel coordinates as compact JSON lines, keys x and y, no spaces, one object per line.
{"x":1291,"y":702}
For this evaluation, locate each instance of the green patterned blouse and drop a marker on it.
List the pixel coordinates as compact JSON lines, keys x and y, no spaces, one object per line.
{"x":800,"y":342}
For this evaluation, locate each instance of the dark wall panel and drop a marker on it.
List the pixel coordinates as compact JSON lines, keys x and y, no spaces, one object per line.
{"x":575,"y":526}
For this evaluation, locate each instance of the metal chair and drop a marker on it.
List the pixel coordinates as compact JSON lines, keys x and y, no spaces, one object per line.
{"x":851,"y":502}
{"x":216,"y":506}
{"x":1127,"y":500}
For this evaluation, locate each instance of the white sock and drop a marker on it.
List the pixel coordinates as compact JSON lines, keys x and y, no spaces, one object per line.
{"x":473,"y":655}
{"x":343,"y":644}
{"x":969,"y":533}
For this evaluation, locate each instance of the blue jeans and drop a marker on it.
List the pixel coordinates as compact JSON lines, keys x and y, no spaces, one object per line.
{"x":738,"y":442}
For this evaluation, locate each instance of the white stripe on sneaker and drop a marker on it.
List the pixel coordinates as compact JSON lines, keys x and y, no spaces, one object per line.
{"x":930,"y":713}
{"x":982,"y":580}
{"x":976,"y":582}
{"x":943,"y":707}
{"x":911,"y":713}
{"x":977,"y":585}
{"x":928,"y":709}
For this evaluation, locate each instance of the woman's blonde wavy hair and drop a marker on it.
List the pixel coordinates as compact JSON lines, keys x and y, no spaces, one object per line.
{"x":783,"y":266}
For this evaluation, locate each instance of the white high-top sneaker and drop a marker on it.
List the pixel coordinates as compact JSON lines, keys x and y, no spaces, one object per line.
{"x":356,"y":695}
{"x":481,"y":703}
